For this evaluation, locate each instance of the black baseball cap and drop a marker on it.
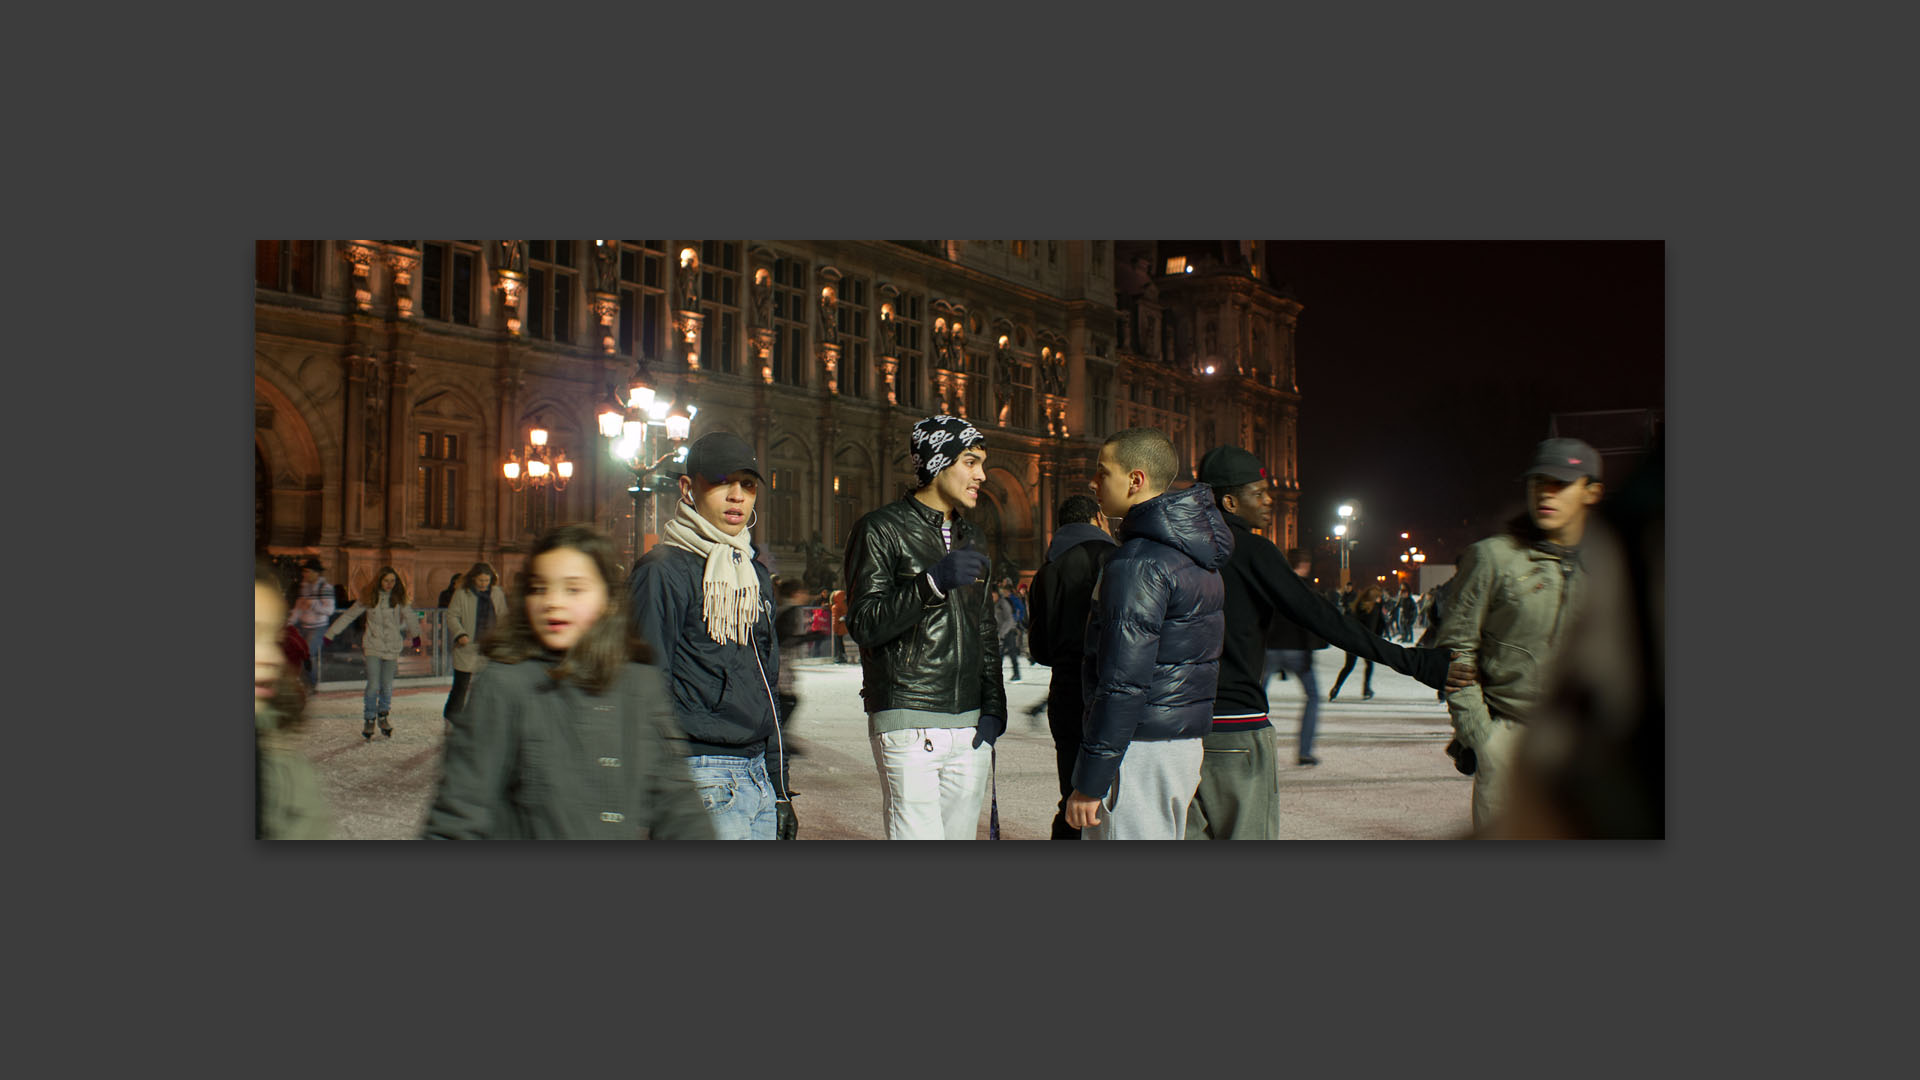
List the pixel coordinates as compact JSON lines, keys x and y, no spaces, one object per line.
{"x":1230,"y":467}
{"x":1564,"y":459}
{"x":719,"y":454}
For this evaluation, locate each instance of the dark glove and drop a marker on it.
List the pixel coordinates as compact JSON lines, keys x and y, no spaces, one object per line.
{"x":962,"y":566}
{"x":1463,"y":757}
{"x":988,"y":729}
{"x":787,"y":827}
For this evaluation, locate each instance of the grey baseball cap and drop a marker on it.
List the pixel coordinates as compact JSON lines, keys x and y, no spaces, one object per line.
{"x":1564,"y":459}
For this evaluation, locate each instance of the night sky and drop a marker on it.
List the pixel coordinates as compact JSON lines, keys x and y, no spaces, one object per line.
{"x":1429,"y":370}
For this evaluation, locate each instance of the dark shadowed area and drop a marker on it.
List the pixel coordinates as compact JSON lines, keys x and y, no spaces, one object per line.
{"x":1429,"y":369}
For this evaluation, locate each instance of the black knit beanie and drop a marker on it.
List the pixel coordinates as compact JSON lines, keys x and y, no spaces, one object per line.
{"x":937,"y":443}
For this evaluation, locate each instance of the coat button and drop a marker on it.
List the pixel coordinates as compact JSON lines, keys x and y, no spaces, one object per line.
{"x":610,"y":762}
{"x":612,"y":817}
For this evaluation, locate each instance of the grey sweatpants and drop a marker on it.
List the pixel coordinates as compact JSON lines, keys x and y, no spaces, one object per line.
{"x":1149,"y":797}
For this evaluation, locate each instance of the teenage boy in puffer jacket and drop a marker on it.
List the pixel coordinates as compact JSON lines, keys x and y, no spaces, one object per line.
{"x":1153,"y":646}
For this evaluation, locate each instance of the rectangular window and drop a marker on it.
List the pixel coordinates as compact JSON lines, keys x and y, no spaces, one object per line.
{"x":846,"y":511}
{"x":790,"y":310}
{"x":1100,"y":391}
{"x":536,"y":308}
{"x":286,"y":265}
{"x":446,"y":283}
{"x":643,"y":297}
{"x":851,"y":315}
{"x":720,"y":302}
{"x":912,"y":359}
{"x":303,"y":267}
{"x":266,"y":264}
{"x":438,"y":480}
{"x":1021,"y":396}
{"x":433,"y":281}
{"x":551,"y":280}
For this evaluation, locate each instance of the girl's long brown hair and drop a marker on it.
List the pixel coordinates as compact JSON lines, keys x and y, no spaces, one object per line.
{"x":396,"y":598}
{"x":596,"y":659}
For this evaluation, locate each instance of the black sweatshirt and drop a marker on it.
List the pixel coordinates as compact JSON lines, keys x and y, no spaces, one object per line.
{"x":1262,"y":587}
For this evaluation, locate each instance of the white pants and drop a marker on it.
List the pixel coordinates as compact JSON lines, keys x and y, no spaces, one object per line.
{"x":1149,"y":797}
{"x":932,"y":782}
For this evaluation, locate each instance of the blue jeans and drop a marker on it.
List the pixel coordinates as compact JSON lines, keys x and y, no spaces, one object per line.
{"x":379,"y":686}
{"x":1299,"y":663}
{"x":315,"y":636}
{"x":737,"y":794}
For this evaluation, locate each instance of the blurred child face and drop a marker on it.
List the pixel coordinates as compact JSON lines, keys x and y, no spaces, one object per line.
{"x":565,"y":596}
{"x":269,"y":614}
{"x":387,"y":582}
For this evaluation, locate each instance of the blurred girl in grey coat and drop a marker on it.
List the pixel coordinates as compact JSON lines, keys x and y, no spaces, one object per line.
{"x":476,"y":607}
{"x":571,"y":735}
{"x":381,"y":643}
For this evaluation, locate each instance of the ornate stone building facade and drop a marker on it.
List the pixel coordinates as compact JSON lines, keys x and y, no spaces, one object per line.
{"x":392,"y":378}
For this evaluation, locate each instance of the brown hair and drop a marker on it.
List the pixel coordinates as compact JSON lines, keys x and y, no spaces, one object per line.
{"x":397,"y":598}
{"x":1147,"y":450}
{"x":478,"y":569}
{"x":595,"y":660}
{"x":1369,"y":598}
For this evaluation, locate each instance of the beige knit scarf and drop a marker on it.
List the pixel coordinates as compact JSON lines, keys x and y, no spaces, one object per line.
{"x":730,"y":588}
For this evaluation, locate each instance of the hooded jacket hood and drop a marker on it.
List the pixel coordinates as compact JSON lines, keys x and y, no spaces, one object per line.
{"x":1072,"y":536}
{"x":1186,"y":521}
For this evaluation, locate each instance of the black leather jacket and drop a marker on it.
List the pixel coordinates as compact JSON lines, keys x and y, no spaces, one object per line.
{"x":918,"y":650}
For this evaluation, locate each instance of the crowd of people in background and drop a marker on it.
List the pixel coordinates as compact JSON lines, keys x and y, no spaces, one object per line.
{"x":658,"y":703}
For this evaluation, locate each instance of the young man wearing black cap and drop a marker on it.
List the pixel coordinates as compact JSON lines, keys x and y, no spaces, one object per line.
{"x":705,"y":605}
{"x":1061,"y":595}
{"x":1512,"y":596}
{"x":929,"y":656}
{"x":1239,"y":793}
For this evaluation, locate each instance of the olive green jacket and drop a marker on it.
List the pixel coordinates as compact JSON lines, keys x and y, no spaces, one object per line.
{"x":531,"y":758}
{"x":1510,"y":605}
{"x":289,"y":803}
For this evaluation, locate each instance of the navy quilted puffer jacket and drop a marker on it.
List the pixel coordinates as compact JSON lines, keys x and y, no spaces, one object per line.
{"x":1154,"y":634}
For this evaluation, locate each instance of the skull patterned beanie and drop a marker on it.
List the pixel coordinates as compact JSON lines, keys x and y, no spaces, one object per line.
{"x":938,"y":442}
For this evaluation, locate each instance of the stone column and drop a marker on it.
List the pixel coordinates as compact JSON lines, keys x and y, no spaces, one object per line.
{"x":403,"y":263}
{"x":360,"y":256}
{"x":355,"y":365}
{"x":500,"y":532}
{"x":1078,"y":396}
{"x":400,"y":450}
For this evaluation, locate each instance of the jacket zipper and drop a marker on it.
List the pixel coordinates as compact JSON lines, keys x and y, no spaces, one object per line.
{"x":1566,"y":585}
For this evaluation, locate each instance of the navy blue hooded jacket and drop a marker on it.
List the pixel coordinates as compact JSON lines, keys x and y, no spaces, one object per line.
{"x":1154,"y":633}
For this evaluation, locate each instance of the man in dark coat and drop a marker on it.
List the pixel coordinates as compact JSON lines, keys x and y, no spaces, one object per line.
{"x":1239,"y":792}
{"x":1153,"y":646}
{"x":1290,"y":649}
{"x":1057,"y":607}
{"x":705,"y":605}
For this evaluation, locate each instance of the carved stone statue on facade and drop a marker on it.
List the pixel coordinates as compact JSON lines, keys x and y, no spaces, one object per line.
{"x":686,"y":283}
{"x":1213,"y":336}
{"x":819,"y":573}
{"x":606,"y":266}
{"x":507,"y":255}
{"x":375,"y":414}
{"x":762,"y":299}
{"x":890,"y":336}
{"x":829,"y":323}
